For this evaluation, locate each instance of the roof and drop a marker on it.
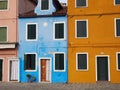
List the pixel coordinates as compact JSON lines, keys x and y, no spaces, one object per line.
{"x":26,"y":9}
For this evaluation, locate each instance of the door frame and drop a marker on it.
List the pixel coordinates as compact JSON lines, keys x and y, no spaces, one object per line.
{"x":40,"y":69}
{"x":108,"y":65}
{"x":2,"y":68}
{"x":9,"y":68}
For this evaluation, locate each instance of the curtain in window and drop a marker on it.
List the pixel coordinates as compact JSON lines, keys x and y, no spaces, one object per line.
{"x":3,"y":34}
{"x":3,"y":4}
{"x":14,"y":70}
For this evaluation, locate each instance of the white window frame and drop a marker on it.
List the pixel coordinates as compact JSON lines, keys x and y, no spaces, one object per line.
{"x":116,"y":4}
{"x":27,"y":32}
{"x":76,"y":28}
{"x":7,"y":32}
{"x":7,"y":6}
{"x":81,"y":6}
{"x":77,"y":61}
{"x":35,"y":63}
{"x":117,"y":61}
{"x":64,"y":61}
{"x":48,"y":6}
{"x":54,"y":30}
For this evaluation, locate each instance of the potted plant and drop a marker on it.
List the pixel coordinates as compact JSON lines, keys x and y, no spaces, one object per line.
{"x":28,"y":76}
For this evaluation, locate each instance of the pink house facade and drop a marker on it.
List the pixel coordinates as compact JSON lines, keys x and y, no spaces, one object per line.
{"x":9,"y":67}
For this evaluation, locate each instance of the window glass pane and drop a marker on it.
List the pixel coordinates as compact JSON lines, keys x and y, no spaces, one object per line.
{"x":81,"y":3}
{"x":117,"y":1}
{"x":31,"y":31}
{"x":59,"y":61}
{"x":29,"y":62}
{"x":3,"y":34}
{"x":82,"y":61}
{"x":3,"y":4}
{"x":59,"y":30}
{"x":81,"y":29}
{"x":118,"y":61}
{"x":118,"y":27}
{"x":44,"y":4}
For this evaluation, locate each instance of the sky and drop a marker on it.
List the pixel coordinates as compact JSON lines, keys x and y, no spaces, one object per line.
{"x":63,"y":1}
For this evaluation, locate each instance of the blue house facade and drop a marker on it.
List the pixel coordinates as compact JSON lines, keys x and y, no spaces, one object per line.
{"x":43,"y":43}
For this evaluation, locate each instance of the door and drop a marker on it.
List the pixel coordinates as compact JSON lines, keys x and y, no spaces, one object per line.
{"x":102,"y":68}
{"x":45,"y":70}
{"x":13,"y":70}
{"x":1,"y":65}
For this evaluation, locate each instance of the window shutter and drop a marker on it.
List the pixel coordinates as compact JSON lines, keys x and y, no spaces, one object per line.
{"x":3,"y":4}
{"x":3,"y":34}
{"x":118,"y":27}
{"x":45,"y":4}
{"x":25,"y":62}
{"x":81,"y":3}
{"x":81,"y":29}
{"x":31,"y":31}
{"x":118,"y":61}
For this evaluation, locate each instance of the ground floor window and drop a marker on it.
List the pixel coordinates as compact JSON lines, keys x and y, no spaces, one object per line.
{"x":82,"y":61}
{"x":29,"y":61}
{"x":59,"y":61}
{"x":118,"y":60}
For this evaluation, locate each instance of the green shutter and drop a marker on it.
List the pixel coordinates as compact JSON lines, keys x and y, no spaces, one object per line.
{"x":3,"y":34}
{"x":3,"y":4}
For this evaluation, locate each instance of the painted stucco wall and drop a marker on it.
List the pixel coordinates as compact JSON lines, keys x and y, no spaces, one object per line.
{"x":8,"y":18}
{"x":101,"y":39}
{"x":45,"y":46}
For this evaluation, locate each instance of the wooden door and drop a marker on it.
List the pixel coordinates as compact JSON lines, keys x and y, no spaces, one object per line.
{"x":102,"y":68}
{"x":45,"y":70}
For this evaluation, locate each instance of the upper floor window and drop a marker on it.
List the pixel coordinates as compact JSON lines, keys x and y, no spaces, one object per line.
{"x":44,"y":4}
{"x":117,"y":27}
{"x":31,"y":31}
{"x":29,"y":61}
{"x":3,"y":34}
{"x":117,"y":2}
{"x":81,"y":29}
{"x":118,"y":60}
{"x":82,"y":61}
{"x":3,"y":4}
{"x":81,"y":3}
{"x":59,"y":30}
{"x":59,"y":61}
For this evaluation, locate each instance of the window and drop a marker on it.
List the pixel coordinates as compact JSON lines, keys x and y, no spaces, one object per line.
{"x":82,"y":61}
{"x":44,"y":4}
{"x":81,"y":29}
{"x":29,"y":61}
{"x":59,"y":62}
{"x":59,"y":30}
{"x":31,"y":32}
{"x":117,"y":28}
{"x":81,"y":3}
{"x":117,"y":1}
{"x":3,"y":34}
{"x":3,"y":4}
{"x":118,"y":61}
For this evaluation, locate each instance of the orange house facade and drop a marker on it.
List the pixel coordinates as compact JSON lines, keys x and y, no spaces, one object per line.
{"x":93,"y":41}
{"x":8,"y":41}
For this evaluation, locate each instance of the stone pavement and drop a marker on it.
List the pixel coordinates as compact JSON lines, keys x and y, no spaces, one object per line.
{"x":49,"y":86}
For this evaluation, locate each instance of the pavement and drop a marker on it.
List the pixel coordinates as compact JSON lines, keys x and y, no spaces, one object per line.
{"x":50,"y":86}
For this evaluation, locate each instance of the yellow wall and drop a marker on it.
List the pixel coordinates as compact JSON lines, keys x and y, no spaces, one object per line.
{"x":101,"y":39}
